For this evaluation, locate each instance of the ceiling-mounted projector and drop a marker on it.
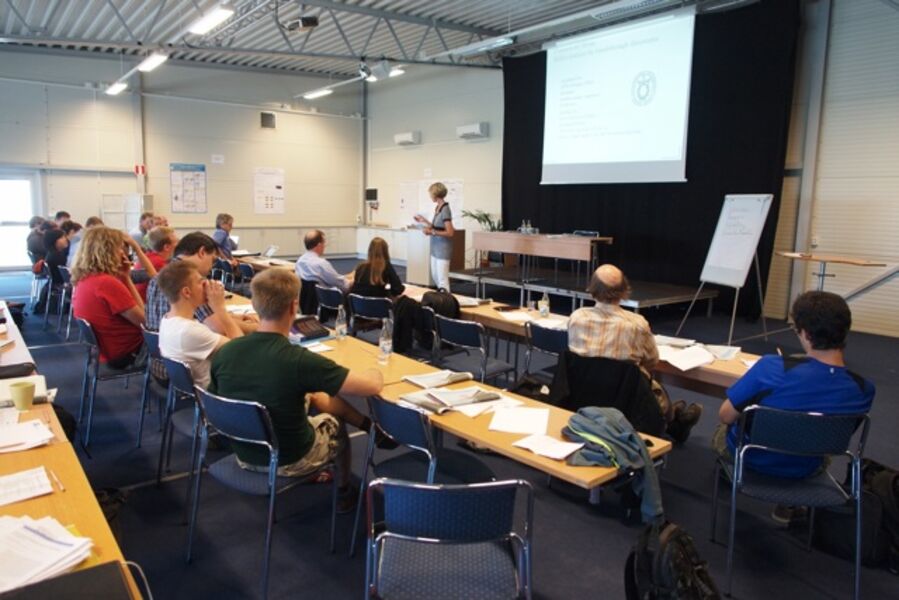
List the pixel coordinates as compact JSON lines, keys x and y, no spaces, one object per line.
{"x":302,"y":23}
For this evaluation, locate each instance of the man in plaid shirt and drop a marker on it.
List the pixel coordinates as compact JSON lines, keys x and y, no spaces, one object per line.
{"x":606,"y":330}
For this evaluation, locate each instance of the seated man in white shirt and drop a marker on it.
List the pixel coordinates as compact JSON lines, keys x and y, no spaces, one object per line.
{"x":312,"y":267}
{"x":181,"y":336}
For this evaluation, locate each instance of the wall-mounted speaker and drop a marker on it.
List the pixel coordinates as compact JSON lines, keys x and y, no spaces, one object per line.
{"x":267,"y":120}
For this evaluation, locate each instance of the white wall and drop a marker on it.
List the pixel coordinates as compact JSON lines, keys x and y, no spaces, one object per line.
{"x":434,"y":101}
{"x":85,"y":143}
{"x":855,"y":210}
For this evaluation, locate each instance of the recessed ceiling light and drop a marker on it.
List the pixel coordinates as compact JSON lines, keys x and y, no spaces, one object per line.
{"x":318,"y":94}
{"x":152,"y":61}
{"x":116,"y":88}
{"x":211,"y":20}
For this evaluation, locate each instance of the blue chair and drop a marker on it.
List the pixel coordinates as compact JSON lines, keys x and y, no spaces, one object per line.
{"x":156,"y":371}
{"x":469,"y":336}
{"x":246,"y":271}
{"x":222,"y":271}
{"x":371,"y":311}
{"x":53,"y":289}
{"x":95,"y":371}
{"x":426,"y":462}
{"x":38,"y":281}
{"x":552,"y":342}
{"x":448,"y":541}
{"x":247,"y":422}
{"x":765,"y":429}
{"x":330,"y":298}
{"x":186,"y":421}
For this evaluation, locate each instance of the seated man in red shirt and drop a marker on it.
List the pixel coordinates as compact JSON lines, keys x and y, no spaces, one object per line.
{"x":106,"y":298}
{"x":162,"y":245}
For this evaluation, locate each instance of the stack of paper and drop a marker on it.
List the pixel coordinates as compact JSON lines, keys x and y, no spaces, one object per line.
{"x":8,"y":416}
{"x":468,"y":301}
{"x":723,"y":352}
{"x":517,"y":316}
{"x":552,"y":323}
{"x":439,"y":400}
{"x":243,"y":309}
{"x":520,"y":420}
{"x":24,"y":485}
{"x":676,"y":342}
{"x":317,"y":347}
{"x":37,"y":549}
{"x":22,"y":436}
{"x":438,"y":378}
{"x":689,"y":358}
{"x":547,"y":446}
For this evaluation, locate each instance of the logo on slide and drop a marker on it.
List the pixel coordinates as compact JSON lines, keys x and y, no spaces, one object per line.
{"x":643,"y":90}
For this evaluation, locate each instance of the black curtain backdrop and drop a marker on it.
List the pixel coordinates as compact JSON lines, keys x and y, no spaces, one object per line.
{"x":741,"y":94}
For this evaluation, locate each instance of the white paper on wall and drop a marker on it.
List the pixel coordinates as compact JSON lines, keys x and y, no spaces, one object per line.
{"x":188,"y":187}
{"x":268,"y":191}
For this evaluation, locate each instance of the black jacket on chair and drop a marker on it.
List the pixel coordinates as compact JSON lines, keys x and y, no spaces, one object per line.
{"x":594,"y":381}
{"x":308,"y":297}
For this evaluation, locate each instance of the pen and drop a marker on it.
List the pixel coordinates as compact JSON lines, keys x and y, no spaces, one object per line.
{"x":62,"y":488}
{"x":779,"y":353}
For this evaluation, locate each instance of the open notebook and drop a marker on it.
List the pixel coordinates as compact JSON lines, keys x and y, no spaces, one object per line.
{"x":440,"y":401}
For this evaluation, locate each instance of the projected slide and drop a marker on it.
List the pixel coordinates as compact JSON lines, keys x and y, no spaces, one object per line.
{"x":617,"y":103}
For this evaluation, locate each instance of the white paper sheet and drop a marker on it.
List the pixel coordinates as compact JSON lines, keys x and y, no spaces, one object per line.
{"x":244,"y":309}
{"x":8,"y":416}
{"x":676,"y":342}
{"x":517,"y":316}
{"x":437,"y":378}
{"x":547,"y":446}
{"x":723,"y":352}
{"x":552,"y":323}
{"x":318,"y":347}
{"x":30,"y":483}
{"x":22,"y":436}
{"x":666,"y":352}
{"x":690,"y":358}
{"x":520,"y":420}
{"x":748,"y":362}
{"x":35,"y":549}
{"x":482,"y":408}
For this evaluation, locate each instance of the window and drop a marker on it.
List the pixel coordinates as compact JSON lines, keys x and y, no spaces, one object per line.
{"x":17,"y":206}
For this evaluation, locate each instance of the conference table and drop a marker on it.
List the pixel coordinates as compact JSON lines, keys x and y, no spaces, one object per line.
{"x":76,"y":506}
{"x":15,"y":351}
{"x":357,"y":354}
{"x":262,"y":263}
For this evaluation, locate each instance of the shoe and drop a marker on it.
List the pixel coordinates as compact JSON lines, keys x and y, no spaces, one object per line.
{"x":677,"y":409}
{"x":679,"y":429}
{"x":785,"y":515}
{"x":383,"y":441}
{"x":347,"y":497}
{"x":690,"y":416}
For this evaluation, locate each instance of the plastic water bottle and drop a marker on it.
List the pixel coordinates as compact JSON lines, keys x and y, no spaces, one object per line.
{"x":340,"y":323}
{"x":527,"y":227}
{"x":385,"y":342}
{"x":543,"y":305}
{"x":522,"y":229}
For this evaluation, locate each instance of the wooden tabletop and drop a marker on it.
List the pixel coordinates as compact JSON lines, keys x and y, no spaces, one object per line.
{"x":16,"y":352}
{"x":77,"y":506}
{"x":477,"y":430}
{"x":261,"y":263}
{"x":831,"y":258}
{"x":572,"y":247}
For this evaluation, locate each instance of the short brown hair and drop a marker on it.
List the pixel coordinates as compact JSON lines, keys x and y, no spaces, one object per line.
{"x":160,"y":236}
{"x":438,"y":190}
{"x":174,"y":277}
{"x":824,"y":317}
{"x":608,"y":294}
{"x":93,"y":222}
{"x":221,"y":219}
{"x":146,"y":215}
{"x":273,"y":291}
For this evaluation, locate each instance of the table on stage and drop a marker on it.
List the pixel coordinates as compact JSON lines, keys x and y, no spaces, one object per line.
{"x":823,"y":259}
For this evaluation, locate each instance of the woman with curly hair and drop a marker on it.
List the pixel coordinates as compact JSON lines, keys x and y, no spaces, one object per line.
{"x":106,"y":297}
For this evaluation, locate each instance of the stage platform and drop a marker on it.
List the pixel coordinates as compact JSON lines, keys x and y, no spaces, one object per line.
{"x":644,"y":294}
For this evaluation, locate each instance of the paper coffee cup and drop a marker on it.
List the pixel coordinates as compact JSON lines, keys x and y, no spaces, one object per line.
{"x":22,"y":393}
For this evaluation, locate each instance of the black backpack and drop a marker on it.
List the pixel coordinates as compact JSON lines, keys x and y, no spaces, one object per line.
{"x":835,"y":527}
{"x":443,"y":303}
{"x":665,"y":565}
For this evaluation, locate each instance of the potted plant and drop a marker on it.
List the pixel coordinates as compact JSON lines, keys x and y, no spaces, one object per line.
{"x":485,"y":220}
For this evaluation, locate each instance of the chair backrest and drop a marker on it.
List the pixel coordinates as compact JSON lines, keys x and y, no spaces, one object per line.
{"x":239,"y":420}
{"x":546,"y":339}
{"x":88,"y":336}
{"x":151,"y":339}
{"x":469,"y":513}
{"x":246,"y":271}
{"x":404,"y":425}
{"x":180,"y":376}
{"x":801,"y":433}
{"x":308,"y":297}
{"x":65,"y":275}
{"x":460,"y":333}
{"x":329,"y":297}
{"x":369,"y":307}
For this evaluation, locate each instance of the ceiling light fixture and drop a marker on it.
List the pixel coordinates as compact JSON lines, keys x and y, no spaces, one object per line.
{"x":396,"y":72}
{"x":116,"y":88}
{"x":381,"y":70}
{"x":152,"y":61}
{"x":211,"y":20}
{"x":318,"y":93}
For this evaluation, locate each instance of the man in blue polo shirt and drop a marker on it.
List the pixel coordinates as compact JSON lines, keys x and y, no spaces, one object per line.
{"x":820,"y":382}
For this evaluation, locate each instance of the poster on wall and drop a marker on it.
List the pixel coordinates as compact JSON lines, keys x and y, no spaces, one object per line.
{"x":408,"y":207}
{"x":188,"y":187}
{"x":454,"y":196}
{"x":268,"y":191}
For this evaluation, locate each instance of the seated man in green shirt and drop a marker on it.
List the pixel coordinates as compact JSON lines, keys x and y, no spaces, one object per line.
{"x":265,"y":367}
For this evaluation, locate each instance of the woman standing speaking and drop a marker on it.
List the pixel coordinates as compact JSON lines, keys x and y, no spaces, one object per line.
{"x":441,"y":231}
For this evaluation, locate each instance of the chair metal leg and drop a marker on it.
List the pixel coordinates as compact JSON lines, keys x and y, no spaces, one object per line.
{"x":165,"y":434}
{"x":730,"y":537}
{"x":856,"y":592}
{"x":193,"y":511}
{"x":62,"y":304}
{"x":716,"y":484}
{"x":811,"y":529}
{"x":144,"y":397}
{"x":268,"y":531}
{"x":47,"y":303}
{"x":84,"y":380}
{"x":334,"y":509}
{"x":194,"y":472}
{"x":363,"y":480}
{"x":90,"y":412}
{"x":69,"y":322}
